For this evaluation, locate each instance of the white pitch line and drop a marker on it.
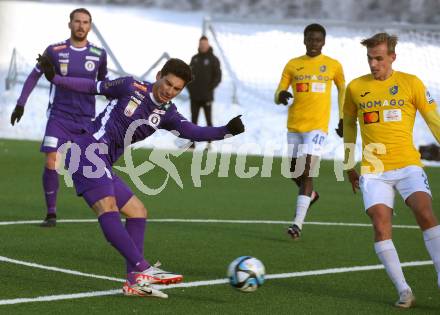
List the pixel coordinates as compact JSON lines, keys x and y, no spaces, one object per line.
{"x":205,"y":283}
{"x":215,"y":221}
{"x":49,"y":298}
{"x":68,"y":271}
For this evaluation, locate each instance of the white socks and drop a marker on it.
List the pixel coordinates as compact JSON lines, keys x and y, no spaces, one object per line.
{"x":432,"y":242}
{"x":387,"y":254}
{"x":302,"y":204}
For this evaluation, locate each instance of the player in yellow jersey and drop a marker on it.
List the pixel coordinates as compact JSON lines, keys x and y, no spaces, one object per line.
{"x":385,"y":102}
{"x":310,"y":76}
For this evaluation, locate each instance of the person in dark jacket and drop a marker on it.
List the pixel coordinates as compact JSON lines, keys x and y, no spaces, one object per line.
{"x":207,"y":75}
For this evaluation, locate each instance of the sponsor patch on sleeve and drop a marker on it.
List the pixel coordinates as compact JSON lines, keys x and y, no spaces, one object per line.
{"x":392,"y":115}
{"x":95,"y":51}
{"x":140,"y":86}
{"x":371,"y":117}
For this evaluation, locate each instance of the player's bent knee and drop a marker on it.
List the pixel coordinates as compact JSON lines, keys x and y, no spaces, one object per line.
{"x":106,"y":204}
{"x":134,"y":208}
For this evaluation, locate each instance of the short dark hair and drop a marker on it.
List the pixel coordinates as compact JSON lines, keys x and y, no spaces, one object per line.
{"x":380,"y":38}
{"x":179,"y":68}
{"x":203,"y":37}
{"x":80,"y":10}
{"x":315,"y":27}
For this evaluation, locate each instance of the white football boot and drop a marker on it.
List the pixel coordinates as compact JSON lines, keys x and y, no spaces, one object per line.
{"x":406,"y":299}
{"x":154,"y":275}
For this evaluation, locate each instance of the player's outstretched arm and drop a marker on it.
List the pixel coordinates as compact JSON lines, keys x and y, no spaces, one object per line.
{"x":81,"y":85}
{"x":187,"y":130}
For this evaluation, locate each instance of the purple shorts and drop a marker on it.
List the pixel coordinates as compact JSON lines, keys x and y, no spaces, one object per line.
{"x":59,"y":131}
{"x":92,"y":175}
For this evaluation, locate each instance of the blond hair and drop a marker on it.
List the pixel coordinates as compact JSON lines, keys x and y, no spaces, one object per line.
{"x":380,"y":38}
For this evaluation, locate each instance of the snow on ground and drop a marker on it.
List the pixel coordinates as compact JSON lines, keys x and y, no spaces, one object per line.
{"x":257,"y":54}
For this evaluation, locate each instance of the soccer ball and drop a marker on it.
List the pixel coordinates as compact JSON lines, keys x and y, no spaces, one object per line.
{"x":246,"y":273}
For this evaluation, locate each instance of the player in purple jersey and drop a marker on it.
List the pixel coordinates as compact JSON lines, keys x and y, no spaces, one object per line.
{"x":139,"y":108}
{"x":68,"y":111}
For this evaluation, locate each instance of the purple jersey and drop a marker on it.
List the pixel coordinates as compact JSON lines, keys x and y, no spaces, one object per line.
{"x":133,"y":101}
{"x":87,"y":62}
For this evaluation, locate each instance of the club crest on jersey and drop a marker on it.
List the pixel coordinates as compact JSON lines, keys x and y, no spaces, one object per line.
{"x":371,"y":117}
{"x":154,"y":120}
{"x":394,"y":89}
{"x":89,"y":65}
{"x":206,"y":62}
{"x":323,"y":68}
{"x":130,"y":108}
{"x":429,"y":98}
{"x":64,"y":68}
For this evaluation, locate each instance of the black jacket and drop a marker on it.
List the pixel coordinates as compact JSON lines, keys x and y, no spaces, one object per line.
{"x":206,"y":76}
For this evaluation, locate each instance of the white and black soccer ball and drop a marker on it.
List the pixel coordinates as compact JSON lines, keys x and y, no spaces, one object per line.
{"x":246,"y":273}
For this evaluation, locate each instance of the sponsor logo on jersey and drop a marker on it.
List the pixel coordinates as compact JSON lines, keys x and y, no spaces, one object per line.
{"x":92,"y":58}
{"x":429,"y":98}
{"x":130,"y":108}
{"x":134,"y":99}
{"x":64,"y":68}
{"x":392,"y":115}
{"x":95,"y":51}
{"x":365,"y":94}
{"x":302,"y":87}
{"x":323,"y":68}
{"x":308,"y":77}
{"x":139,"y":95}
{"x":139,"y":86}
{"x":318,"y":87}
{"x":89,"y":65}
{"x":56,"y":48}
{"x":154,"y":120}
{"x":159,"y":111}
{"x":380,"y":103}
{"x":394,"y":89}
{"x":206,"y":62}
{"x":371,"y":117}
{"x":63,"y":55}
{"x":63,"y":60}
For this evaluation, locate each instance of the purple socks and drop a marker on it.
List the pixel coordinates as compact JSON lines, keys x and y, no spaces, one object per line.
{"x":50,"y":186}
{"x":136,"y":229}
{"x":117,"y":235}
